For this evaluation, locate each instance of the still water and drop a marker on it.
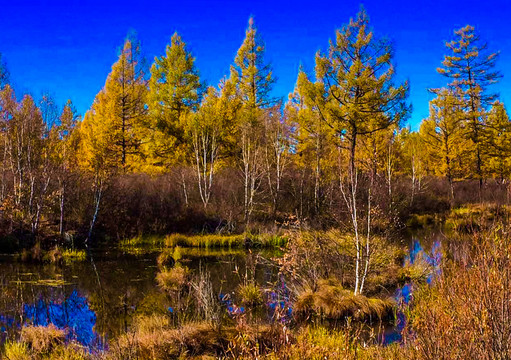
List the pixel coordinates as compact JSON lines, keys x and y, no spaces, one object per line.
{"x":97,"y":299}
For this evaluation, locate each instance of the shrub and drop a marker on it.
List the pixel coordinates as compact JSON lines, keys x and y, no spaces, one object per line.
{"x":466,"y":313}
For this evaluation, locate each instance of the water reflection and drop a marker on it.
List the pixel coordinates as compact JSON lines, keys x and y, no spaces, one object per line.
{"x":97,"y":303}
{"x":72,"y":315}
{"x":404,"y":294}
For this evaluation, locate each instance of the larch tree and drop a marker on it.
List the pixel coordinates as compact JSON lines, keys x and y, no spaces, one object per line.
{"x":471,"y":67}
{"x":95,"y":157}
{"x":358,"y":98}
{"x":121,"y":105}
{"x":443,"y":135}
{"x":312,"y":138}
{"x":175,"y":91}
{"x":110,"y":134}
{"x":498,"y":140}
{"x":4,"y":73}
{"x":254,"y":79}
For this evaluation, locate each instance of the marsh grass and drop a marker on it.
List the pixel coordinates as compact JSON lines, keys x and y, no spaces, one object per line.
{"x":56,"y":255}
{"x":42,"y":339}
{"x":225,"y":241}
{"x":319,"y":343}
{"x":250,"y":294}
{"x":142,"y":240}
{"x":173,"y":279}
{"x":473,"y":218}
{"x":331,"y":301}
{"x":16,"y":351}
{"x":416,"y":221}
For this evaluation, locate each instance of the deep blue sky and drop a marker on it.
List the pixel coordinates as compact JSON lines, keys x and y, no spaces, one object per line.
{"x":67,"y":47}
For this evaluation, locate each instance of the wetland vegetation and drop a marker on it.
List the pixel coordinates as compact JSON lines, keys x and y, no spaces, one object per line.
{"x":176,"y":220}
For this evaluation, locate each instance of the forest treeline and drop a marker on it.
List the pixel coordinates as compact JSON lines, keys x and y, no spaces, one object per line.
{"x":161,"y":151}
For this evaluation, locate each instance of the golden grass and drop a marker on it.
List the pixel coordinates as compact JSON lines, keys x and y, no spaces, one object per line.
{"x":173,"y":279}
{"x":205,"y":241}
{"x":331,"y":301}
{"x":42,"y":339}
{"x":250,"y":294}
{"x":159,"y":341}
{"x":225,"y":241}
{"x":16,"y":351}
{"x":319,"y":343}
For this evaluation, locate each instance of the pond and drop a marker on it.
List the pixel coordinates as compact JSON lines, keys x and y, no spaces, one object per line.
{"x":97,"y":299}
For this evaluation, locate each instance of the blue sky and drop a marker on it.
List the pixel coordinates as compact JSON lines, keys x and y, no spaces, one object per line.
{"x":67,"y":47}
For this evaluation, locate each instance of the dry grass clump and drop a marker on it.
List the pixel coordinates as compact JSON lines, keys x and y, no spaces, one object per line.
{"x":331,"y":301}
{"x":418,"y":272}
{"x":257,"y":342}
{"x":154,"y":339}
{"x":44,"y":342}
{"x":42,"y":339}
{"x":173,"y":279}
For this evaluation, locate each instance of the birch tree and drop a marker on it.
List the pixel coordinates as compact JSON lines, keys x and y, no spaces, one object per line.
{"x":253,"y":78}
{"x":357,"y":98}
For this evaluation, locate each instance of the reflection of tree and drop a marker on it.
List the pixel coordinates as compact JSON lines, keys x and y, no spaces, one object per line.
{"x":73,"y":315}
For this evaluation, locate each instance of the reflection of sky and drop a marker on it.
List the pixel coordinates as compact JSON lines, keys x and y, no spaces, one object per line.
{"x":404,"y":295}
{"x":72,"y":315}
